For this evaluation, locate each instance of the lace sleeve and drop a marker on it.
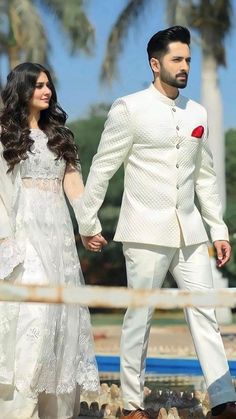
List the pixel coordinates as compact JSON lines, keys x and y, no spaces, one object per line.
{"x":11,"y":256}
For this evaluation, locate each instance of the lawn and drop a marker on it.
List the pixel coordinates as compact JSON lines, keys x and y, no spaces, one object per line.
{"x":160,"y":317}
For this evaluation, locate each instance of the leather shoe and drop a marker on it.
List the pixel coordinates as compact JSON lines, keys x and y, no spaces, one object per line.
{"x":228,"y":413}
{"x":136,"y":414}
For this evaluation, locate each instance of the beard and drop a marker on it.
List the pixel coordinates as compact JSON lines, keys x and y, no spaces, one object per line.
{"x":174,"y":81}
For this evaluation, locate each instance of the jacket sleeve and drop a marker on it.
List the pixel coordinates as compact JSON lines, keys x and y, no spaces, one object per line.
{"x":115,"y":143}
{"x":208,"y":195}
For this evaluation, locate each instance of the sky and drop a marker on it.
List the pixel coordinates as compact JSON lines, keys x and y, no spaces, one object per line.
{"x":78,"y":83}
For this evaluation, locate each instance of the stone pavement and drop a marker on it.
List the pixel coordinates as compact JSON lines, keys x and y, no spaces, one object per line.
{"x":169,"y":341}
{"x":165,"y":397}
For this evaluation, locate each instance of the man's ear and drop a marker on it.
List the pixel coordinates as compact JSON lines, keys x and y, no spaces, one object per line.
{"x":155,"y":65}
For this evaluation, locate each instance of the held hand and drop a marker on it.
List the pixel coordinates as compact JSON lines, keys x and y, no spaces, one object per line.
{"x":94,"y":243}
{"x":223,"y":252}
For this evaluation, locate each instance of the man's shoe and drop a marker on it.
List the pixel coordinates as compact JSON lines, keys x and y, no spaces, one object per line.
{"x":136,"y":414}
{"x":228,"y":413}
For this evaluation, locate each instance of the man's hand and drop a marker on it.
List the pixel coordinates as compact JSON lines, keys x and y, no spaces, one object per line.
{"x":223,"y":252}
{"x":94,"y":243}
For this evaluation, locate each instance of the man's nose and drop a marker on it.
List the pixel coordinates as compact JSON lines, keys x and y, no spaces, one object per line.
{"x":185,"y":66}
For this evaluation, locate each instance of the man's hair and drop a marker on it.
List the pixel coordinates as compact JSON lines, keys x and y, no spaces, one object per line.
{"x":159,"y":42}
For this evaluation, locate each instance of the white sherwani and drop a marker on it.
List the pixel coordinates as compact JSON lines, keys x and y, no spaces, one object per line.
{"x":159,"y":223}
{"x":164,"y":167}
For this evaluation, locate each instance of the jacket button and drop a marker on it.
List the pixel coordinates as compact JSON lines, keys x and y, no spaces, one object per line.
{"x":177,"y":206}
{"x":177,"y":186}
{"x":173,"y":109}
{"x":177,"y":165}
{"x":177,"y":128}
{"x":177,"y":146}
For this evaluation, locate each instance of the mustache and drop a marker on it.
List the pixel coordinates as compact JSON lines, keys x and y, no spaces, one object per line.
{"x":182,"y":74}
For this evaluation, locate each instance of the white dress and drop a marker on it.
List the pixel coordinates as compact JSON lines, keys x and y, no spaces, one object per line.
{"x":45,"y":349}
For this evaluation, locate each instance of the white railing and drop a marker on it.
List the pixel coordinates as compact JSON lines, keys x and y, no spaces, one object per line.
{"x":118,"y":297}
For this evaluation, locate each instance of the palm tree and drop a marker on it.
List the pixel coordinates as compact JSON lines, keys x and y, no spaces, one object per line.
{"x":212,"y":21}
{"x":23,"y":36}
{"x":116,"y":41}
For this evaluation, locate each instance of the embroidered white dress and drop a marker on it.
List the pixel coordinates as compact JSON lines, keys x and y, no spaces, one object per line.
{"x":44,"y":348}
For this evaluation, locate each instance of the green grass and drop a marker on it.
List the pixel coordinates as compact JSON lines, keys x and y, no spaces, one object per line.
{"x":161,"y":318}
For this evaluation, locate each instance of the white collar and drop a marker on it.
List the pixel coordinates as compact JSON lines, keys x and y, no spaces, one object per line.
{"x":163,"y":98}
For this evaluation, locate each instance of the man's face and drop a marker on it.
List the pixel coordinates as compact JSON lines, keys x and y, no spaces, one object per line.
{"x":174,"y":65}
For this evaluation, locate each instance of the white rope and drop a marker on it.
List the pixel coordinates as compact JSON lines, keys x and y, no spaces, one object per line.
{"x":118,"y":297}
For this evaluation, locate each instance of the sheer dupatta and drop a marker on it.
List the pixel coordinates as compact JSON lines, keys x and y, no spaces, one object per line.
{"x":10,"y":260}
{"x":11,"y":254}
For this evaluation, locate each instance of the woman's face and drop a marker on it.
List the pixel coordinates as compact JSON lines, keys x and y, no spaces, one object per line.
{"x":42,"y":94}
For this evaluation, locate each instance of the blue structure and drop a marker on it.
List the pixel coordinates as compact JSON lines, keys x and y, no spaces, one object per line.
{"x":164,"y":366}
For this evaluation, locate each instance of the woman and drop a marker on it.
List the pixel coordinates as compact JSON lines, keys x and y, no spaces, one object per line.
{"x":46,"y":352}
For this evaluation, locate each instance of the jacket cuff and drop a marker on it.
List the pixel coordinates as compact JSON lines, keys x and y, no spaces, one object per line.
{"x":88,"y":226}
{"x":220,"y":233}
{"x":88,"y":230}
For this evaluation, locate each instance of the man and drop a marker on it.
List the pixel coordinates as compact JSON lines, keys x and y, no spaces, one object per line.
{"x":161,"y":137}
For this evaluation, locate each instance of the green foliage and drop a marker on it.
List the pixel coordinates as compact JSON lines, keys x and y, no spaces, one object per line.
{"x":23,"y":36}
{"x":74,"y":22}
{"x":230,"y":215}
{"x":230,"y":160}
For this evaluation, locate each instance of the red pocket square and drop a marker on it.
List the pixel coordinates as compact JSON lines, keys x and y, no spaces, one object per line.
{"x":198,"y":132}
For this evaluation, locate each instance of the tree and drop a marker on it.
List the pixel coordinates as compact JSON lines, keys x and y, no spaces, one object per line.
{"x":212,"y":21}
{"x":117,"y":38}
{"x":23,"y":36}
{"x":230,"y":215}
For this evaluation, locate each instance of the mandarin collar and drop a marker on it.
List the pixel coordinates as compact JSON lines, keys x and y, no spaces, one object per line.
{"x":163,"y":98}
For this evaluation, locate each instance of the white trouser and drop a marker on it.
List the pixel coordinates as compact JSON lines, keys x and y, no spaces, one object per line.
{"x":147,"y":266}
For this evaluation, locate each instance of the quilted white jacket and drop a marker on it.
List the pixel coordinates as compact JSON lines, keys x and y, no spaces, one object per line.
{"x":165,"y":166}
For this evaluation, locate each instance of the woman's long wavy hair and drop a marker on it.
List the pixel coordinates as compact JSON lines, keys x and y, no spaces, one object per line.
{"x":15,"y":131}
